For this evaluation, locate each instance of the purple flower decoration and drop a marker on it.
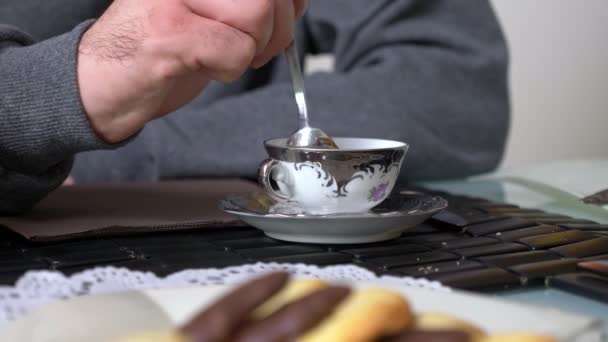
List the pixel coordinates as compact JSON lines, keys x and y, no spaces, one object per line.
{"x":378,"y":193}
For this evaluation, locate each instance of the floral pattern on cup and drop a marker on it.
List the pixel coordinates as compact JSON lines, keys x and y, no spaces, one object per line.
{"x":378,"y":193}
{"x":317,"y":190}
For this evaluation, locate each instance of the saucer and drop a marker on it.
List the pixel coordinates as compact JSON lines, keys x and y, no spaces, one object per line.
{"x":398,"y":213}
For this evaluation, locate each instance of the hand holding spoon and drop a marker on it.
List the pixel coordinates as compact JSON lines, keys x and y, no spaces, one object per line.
{"x":306,"y":136}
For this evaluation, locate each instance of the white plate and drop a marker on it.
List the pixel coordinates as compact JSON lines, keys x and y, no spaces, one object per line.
{"x":389,"y":220}
{"x":104,"y":318}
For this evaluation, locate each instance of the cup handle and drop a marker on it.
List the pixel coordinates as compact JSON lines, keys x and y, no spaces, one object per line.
{"x":264,"y":173}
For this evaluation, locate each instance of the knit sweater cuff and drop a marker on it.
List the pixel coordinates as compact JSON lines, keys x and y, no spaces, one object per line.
{"x":42,"y":120}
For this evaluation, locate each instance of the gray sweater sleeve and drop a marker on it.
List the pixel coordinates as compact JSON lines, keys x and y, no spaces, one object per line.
{"x":430,"y":73}
{"x":42,"y":124}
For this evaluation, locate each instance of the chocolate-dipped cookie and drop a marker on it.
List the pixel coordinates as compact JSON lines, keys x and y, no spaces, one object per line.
{"x":271,"y":309}
{"x":438,"y":322}
{"x":431,"y":336}
{"x":518,"y":337}
{"x":366,"y":315}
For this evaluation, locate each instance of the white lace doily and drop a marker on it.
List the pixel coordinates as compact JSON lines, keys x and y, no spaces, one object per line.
{"x":37,"y":288}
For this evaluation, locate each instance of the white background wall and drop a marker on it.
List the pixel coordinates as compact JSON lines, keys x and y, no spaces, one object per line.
{"x":559,"y":79}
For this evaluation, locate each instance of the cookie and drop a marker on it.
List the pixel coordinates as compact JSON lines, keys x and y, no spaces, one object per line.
{"x":295,"y":318}
{"x":431,"y":336}
{"x":294,"y":290}
{"x":515,"y":337}
{"x":439,"y":321}
{"x":168,"y":336}
{"x":364,"y":316}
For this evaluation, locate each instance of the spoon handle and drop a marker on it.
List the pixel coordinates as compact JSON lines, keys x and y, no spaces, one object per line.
{"x":297,"y":79}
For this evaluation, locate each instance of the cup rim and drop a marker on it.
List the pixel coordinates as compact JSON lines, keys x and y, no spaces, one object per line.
{"x":397,"y":145}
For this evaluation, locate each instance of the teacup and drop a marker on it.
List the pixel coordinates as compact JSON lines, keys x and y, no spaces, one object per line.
{"x":354,"y":178}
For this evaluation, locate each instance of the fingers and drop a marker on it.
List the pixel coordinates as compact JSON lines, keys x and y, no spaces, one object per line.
{"x":219,"y":321}
{"x":300,"y":6}
{"x":295,"y":318}
{"x":222,"y":52}
{"x":284,"y":21}
{"x":270,"y":23}
{"x":253,"y":17}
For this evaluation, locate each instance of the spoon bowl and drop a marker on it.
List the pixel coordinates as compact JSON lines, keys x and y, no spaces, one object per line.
{"x":311,"y":137}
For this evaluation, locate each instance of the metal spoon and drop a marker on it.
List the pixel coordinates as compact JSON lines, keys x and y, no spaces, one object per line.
{"x":306,"y":136}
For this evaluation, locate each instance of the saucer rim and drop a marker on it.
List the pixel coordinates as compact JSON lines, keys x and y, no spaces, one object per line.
{"x":442,"y":205}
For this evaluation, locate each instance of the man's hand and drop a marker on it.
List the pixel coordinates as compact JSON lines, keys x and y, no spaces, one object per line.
{"x":145,"y":59}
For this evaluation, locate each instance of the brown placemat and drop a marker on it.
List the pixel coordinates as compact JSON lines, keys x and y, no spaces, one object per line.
{"x":119,"y":209}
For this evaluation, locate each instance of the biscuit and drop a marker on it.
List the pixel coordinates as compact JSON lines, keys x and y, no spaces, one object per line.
{"x":439,"y":321}
{"x":517,"y":337}
{"x":365,"y":315}
{"x":431,"y":336}
{"x":293,"y":290}
{"x":166,"y":336}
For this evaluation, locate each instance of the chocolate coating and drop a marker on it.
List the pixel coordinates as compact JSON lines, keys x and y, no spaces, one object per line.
{"x":220,"y":320}
{"x":295,"y":318}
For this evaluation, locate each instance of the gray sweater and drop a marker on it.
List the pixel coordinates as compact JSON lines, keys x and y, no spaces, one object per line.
{"x":432,"y":73}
